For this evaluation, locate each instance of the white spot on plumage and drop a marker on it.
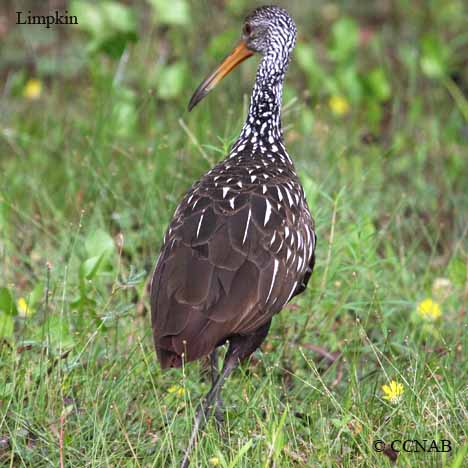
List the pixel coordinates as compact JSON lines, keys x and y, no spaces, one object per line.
{"x":280,"y":195}
{"x":280,"y":246}
{"x":247,"y":226}
{"x":267,"y":212}
{"x":275,"y":272}
{"x":291,"y":201}
{"x":253,"y":178}
{"x":231,"y":202}
{"x":225,"y":191}
{"x":292,"y":292}
{"x":264,"y":189}
{"x":200,"y":223}
{"x":273,"y":237}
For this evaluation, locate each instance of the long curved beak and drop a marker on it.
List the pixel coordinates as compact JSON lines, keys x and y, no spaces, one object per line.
{"x":237,"y":56}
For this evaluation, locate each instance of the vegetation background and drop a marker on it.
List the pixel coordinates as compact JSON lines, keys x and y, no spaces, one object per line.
{"x":96,"y":149}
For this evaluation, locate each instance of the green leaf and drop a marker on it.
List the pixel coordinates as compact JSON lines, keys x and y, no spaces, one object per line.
{"x":222,"y":43}
{"x":99,"y":243}
{"x":460,"y":458}
{"x":90,"y":267}
{"x":351,"y":84}
{"x":174,"y":12}
{"x":7,"y":303}
{"x":435,"y":57}
{"x":124,"y":111}
{"x":243,"y":450}
{"x":378,"y":84}
{"x":305,"y":56}
{"x":119,"y":17}
{"x":171,"y":80}
{"x":90,"y":16}
{"x":36,"y":295}
{"x":111,"y":25}
{"x":345,"y":39}
{"x":7,"y":325}
{"x":103,"y":18}
{"x":457,"y":271}
{"x":58,"y":332}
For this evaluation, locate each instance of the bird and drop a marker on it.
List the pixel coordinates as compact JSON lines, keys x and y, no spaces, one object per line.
{"x":241,"y":243}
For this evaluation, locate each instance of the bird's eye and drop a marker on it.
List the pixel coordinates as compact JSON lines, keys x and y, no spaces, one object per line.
{"x":247,"y":29}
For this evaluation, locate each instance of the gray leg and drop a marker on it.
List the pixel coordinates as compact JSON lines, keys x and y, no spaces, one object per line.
{"x":218,"y":409}
{"x":214,"y":366}
{"x":204,"y":409}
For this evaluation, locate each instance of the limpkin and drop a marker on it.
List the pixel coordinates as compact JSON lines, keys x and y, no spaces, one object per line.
{"x":241,"y":242}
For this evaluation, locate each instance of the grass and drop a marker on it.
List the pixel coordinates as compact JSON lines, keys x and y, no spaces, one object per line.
{"x":91,"y":172}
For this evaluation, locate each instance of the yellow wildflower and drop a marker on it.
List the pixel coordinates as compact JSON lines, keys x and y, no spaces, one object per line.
{"x":24,"y":310}
{"x":393,"y":392}
{"x":177,"y":390}
{"x":429,"y":309}
{"x":214,"y":461}
{"x":339,"y":105}
{"x":33,"y":89}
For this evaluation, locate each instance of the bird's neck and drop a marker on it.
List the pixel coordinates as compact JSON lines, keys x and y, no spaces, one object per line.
{"x":264,"y":119}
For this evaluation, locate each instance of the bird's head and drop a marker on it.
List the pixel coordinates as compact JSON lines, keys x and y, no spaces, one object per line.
{"x":268,"y":30}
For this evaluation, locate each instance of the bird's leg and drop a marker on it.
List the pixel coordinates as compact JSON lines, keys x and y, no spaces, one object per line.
{"x":218,"y":410}
{"x":204,"y":409}
{"x":214,"y":366}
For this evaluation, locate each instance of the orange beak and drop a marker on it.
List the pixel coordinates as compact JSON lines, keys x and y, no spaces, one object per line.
{"x":238,"y":55}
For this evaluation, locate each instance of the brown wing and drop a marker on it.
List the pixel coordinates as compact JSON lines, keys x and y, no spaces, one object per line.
{"x":234,"y":254}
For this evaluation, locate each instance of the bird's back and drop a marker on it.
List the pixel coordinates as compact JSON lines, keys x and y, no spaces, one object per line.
{"x":240,"y":245}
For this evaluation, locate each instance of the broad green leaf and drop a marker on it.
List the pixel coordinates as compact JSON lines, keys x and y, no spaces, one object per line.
{"x":111,"y":25}
{"x":243,"y":450}
{"x":171,"y":80}
{"x":57,"y":331}
{"x":435,"y":57}
{"x":459,"y":460}
{"x":350,"y":83}
{"x":90,"y":16}
{"x":119,"y":17}
{"x":378,"y":84}
{"x":125,"y":113}
{"x":221,"y":44}
{"x":305,"y":56}
{"x":457,"y":271}
{"x":174,"y":12}
{"x":6,"y":325}
{"x":345,"y":39}
{"x":99,"y":243}
{"x":90,"y":267}
{"x":102,"y":18}
{"x":7,"y":303}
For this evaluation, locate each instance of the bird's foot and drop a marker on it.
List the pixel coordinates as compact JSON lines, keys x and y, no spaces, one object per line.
{"x":219,"y":414}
